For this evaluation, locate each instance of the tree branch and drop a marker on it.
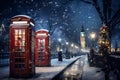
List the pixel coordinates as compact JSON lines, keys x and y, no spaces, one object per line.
{"x":109,"y":9}
{"x":86,"y":2}
{"x":114,"y":18}
{"x":95,"y":3}
{"x":105,"y":8}
{"x":114,"y":24}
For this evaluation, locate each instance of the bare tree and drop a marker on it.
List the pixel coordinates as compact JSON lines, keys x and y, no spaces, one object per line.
{"x":53,"y":15}
{"x":105,"y":14}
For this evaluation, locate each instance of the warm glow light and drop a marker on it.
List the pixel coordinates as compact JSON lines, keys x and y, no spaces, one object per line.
{"x":72,"y":45}
{"x":92,"y":35}
{"x":58,"y":49}
{"x":41,"y":34}
{"x":19,"y":22}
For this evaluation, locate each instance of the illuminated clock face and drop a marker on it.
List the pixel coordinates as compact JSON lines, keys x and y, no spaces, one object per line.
{"x":82,"y":34}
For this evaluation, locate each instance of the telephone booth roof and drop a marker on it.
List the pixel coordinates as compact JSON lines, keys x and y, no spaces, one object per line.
{"x":42,"y":30}
{"x":23,"y":16}
{"x":22,"y":19}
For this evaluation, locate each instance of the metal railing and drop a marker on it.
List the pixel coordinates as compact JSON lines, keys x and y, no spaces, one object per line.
{"x":4,"y":59}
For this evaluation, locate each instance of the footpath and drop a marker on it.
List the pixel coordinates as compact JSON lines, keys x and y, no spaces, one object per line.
{"x":90,"y":73}
{"x":43,"y":73}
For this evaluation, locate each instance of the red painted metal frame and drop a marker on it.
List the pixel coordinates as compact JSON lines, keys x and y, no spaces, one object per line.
{"x":29,"y":64}
{"x":46,"y":61}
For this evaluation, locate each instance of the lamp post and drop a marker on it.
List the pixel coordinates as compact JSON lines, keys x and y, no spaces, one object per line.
{"x":67,"y":51}
{"x":60,"y":50}
{"x":72,"y":45}
{"x":67,"y":43}
{"x":92,"y":36}
{"x":59,"y":40}
{"x":72,"y":49}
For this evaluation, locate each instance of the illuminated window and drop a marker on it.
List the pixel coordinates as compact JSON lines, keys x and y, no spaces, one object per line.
{"x":41,"y":49}
{"x":20,"y":40}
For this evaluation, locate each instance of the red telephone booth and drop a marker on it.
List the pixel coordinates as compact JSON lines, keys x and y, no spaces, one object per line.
{"x":22,"y":39}
{"x":42,"y":54}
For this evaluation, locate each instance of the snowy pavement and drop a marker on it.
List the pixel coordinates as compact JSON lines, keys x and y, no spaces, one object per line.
{"x":91,"y":73}
{"x":42,"y":73}
{"x":74,"y":72}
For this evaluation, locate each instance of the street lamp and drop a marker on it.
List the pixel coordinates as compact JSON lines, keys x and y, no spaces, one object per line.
{"x":67,"y":51}
{"x":72,"y":45}
{"x":67,"y":43}
{"x":92,"y":36}
{"x":72,"y":50}
{"x":59,"y":40}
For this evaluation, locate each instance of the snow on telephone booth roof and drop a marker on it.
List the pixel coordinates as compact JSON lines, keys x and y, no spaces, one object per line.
{"x":42,"y":33}
{"x":22,"y":16}
{"x":42,"y":30}
{"x":22,"y":20}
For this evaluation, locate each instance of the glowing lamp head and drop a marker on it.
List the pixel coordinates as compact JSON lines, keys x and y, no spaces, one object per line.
{"x":92,"y":35}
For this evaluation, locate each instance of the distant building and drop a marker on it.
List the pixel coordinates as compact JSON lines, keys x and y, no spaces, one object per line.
{"x":82,"y":38}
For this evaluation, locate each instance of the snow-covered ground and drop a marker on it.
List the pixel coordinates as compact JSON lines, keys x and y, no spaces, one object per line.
{"x":42,"y":73}
{"x":94,"y":73}
{"x":90,"y":73}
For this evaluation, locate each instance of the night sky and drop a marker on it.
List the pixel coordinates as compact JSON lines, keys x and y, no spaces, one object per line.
{"x":65,"y":16}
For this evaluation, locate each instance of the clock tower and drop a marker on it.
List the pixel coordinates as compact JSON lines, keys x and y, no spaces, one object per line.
{"x":82,"y":38}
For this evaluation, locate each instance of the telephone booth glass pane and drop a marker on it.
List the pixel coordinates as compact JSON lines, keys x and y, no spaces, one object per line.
{"x":19,"y":48}
{"x":41,"y":49}
{"x":20,"y":40}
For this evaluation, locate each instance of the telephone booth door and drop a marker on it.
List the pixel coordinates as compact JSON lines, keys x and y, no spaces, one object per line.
{"x":42,"y":48}
{"x":21,"y":48}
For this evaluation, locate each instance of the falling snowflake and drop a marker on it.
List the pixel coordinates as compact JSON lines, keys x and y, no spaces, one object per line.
{"x":31,"y":10}
{"x":65,"y":24}
{"x":41,"y":21}
{"x":89,"y":17}
{"x":50,"y":2}
{"x":32,"y":0}
{"x":54,"y":23}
